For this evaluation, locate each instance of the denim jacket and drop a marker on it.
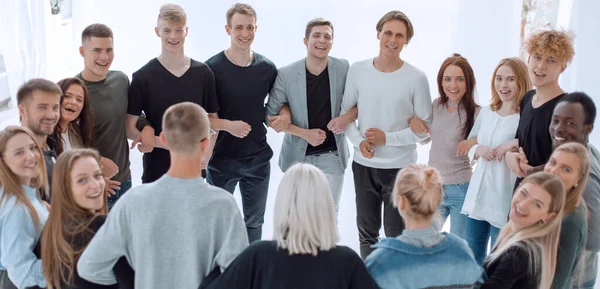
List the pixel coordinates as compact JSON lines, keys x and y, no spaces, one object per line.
{"x":18,"y":236}
{"x":450,"y":264}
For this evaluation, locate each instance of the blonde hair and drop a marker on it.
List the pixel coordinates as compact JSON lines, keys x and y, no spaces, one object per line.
{"x":422,"y":188}
{"x":185,"y":125}
{"x":10,"y":182}
{"x":519,"y":68}
{"x":304,"y":218}
{"x":558,"y":44}
{"x":173,"y":13}
{"x":574,"y":194}
{"x":539,"y":240}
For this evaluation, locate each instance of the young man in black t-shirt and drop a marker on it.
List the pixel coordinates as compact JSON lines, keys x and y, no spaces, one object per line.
{"x":549,"y":54}
{"x":242,"y":154}
{"x":169,"y":79}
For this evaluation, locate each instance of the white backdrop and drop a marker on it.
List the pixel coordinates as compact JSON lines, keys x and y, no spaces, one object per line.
{"x":484,"y":31}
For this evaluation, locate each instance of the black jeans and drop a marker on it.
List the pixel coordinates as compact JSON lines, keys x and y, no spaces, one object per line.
{"x":374,"y":187}
{"x":253,"y":177}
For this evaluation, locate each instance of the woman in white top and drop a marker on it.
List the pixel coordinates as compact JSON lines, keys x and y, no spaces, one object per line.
{"x":75,"y":127}
{"x":490,"y":191}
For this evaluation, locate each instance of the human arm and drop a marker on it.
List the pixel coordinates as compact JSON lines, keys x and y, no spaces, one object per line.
{"x":145,"y":140}
{"x":233,"y":239}
{"x":98,"y":261}
{"x":313,"y":136}
{"x":278,"y":98}
{"x":280,"y":122}
{"x":349,"y":101}
{"x":17,"y":242}
{"x":422,"y":109}
{"x":570,"y":239}
{"x":512,"y":267}
{"x":340,"y":124}
{"x":591,"y":195}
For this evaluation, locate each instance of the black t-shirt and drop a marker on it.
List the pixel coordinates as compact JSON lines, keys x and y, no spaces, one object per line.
{"x":510,"y":271}
{"x":532,"y":131}
{"x":265,"y":266}
{"x":241,"y":93}
{"x":318,"y":99}
{"x":123,"y":271}
{"x":154,"y":89}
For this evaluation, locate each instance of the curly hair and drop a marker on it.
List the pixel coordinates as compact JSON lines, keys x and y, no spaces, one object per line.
{"x":557,"y":43}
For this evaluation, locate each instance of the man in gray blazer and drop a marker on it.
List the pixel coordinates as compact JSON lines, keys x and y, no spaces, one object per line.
{"x":309,"y":93}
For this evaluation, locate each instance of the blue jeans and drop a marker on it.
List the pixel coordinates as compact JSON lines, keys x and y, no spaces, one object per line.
{"x":110,"y":202}
{"x":454,"y":197}
{"x":253,"y":176}
{"x":329,"y":163}
{"x":478,"y":234}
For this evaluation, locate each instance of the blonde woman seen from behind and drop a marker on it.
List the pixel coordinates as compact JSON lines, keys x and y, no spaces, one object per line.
{"x":400,"y":262}
{"x":525,"y":254}
{"x":303,"y":254}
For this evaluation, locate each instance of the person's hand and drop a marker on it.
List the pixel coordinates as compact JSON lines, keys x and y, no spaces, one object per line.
{"x":112,"y":186}
{"x":145,"y":140}
{"x":465,"y":146}
{"x":367,"y":149}
{"x":109,"y":168}
{"x":279,"y":122}
{"x":485,"y":152}
{"x":238,"y":128}
{"x":503,"y":148}
{"x":525,"y":168}
{"x":417,"y":125}
{"x":375,"y":137}
{"x":513,"y":162}
{"x":315,"y":136}
{"x":46,"y":205}
{"x":339,"y":124}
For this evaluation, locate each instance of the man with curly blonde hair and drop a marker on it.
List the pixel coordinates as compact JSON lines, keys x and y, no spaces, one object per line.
{"x":550,"y":51}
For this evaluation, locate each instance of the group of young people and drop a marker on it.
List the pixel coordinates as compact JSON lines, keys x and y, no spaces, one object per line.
{"x":202,"y":129}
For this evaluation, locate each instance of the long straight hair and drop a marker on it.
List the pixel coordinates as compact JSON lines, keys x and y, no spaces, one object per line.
{"x":468,"y":100}
{"x":66,"y":220}
{"x":524,"y":85}
{"x":574,"y":194}
{"x":539,"y":240}
{"x":10,"y":181}
{"x":84,"y":122}
{"x":304,"y":216}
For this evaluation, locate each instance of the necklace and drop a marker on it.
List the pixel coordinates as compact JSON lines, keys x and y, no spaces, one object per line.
{"x":234,"y":62}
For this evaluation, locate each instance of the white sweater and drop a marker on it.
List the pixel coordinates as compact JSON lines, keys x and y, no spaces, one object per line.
{"x":387,"y":101}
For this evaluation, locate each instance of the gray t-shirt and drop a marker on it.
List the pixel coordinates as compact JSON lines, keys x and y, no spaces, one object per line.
{"x":109,"y":111}
{"x":173,"y":232}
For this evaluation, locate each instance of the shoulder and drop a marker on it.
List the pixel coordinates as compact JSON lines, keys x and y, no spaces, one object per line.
{"x":293,"y":67}
{"x":413,"y":70}
{"x":97,"y":222}
{"x":528,"y":96}
{"x":222,"y":198}
{"x":148,"y":67}
{"x":361,"y":64}
{"x":215,"y":59}
{"x":8,"y":203}
{"x":263,"y":60}
{"x":341,"y":63}
{"x":574,"y":221}
{"x":117,"y":75}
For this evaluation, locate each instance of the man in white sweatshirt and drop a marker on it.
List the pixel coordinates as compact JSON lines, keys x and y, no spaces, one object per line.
{"x":387,"y":91}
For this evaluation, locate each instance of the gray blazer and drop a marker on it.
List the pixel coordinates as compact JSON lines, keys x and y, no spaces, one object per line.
{"x":290,"y":89}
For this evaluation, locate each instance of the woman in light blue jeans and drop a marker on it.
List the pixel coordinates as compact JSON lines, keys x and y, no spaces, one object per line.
{"x":454,"y":114}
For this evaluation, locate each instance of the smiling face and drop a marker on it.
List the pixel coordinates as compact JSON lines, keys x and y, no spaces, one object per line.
{"x":530,"y":205}
{"x":22,"y":157}
{"x":392,"y":38}
{"x":566,"y":166}
{"x":98,"y":55}
{"x":72,"y":103}
{"x":505,"y":83}
{"x":87,"y":184}
{"x":568,"y":124}
{"x":242,"y":30}
{"x":41,"y":113}
{"x":319,"y":41}
{"x":172,"y":35}
{"x":454,"y":83}
{"x":544,"y":69}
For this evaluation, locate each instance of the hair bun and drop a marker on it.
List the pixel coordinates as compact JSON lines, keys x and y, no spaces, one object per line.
{"x":430,"y":178}
{"x":456,"y":55}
